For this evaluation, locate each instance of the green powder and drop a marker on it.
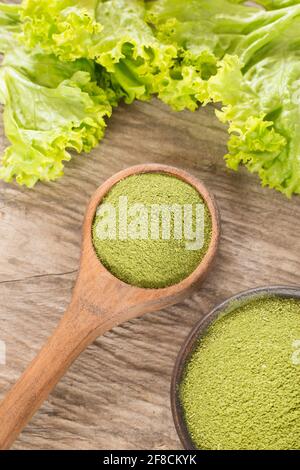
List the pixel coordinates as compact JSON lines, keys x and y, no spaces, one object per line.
{"x":241,"y":389}
{"x":144,"y":260}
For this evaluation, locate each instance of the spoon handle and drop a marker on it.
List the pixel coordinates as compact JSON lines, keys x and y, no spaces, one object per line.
{"x":74,"y":333}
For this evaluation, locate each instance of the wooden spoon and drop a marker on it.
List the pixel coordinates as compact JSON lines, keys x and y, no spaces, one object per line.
{"x":100,"y":302}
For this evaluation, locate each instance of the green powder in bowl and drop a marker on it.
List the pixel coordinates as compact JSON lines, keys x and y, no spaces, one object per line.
{"x":152,"y":230}
{"x":241,"y":387}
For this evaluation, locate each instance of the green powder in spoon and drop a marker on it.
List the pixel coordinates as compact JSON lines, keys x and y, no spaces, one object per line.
{"x":152,"y":230}
{"x":241,"y":389}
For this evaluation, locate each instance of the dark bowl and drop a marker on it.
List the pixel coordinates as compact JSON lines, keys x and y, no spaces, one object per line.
{"x":198,"y":331}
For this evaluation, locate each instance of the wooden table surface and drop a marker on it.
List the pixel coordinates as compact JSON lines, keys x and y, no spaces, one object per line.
{"x":116,"y":395}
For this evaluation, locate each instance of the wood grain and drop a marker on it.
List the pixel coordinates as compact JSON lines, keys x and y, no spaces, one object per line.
{"x":99,"y":303}
{"x":116,"y":395}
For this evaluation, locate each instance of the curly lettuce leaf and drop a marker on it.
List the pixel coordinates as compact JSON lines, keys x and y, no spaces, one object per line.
{"x":128,"y":49}
{"x":203,"y":32}
{"x":192,"y":52}
{"x":274,"y":4}
{"x":10,"y":25}
{"x":51,"y":107}
{"x":44,"y":69}
{"x":254,"y":140}
{"x":43,"y":124}
{"x":265,"y":120}
{"x":65,"y":28}
{"x":251,"y":67}
{"x":112,"y":33}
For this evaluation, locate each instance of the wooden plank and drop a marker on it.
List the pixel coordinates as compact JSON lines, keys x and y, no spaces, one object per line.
{"x":117,"y":393}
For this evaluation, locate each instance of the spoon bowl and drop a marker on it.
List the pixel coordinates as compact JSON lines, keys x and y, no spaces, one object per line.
{"x":100,"y":302}
{"x":134,"y":300}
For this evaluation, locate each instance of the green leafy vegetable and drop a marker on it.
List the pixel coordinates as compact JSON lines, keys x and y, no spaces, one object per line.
{"x":67,"y":62}
{"x":42,"y":123}
{"x":49,"y":108}
{"x":10,"y":23}
{"x":66,"y":28}
{"x":112,"y":33}
{"x":253,"y":71}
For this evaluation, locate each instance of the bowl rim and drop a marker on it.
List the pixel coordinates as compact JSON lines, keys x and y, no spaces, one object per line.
{"x":197,"y":333}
